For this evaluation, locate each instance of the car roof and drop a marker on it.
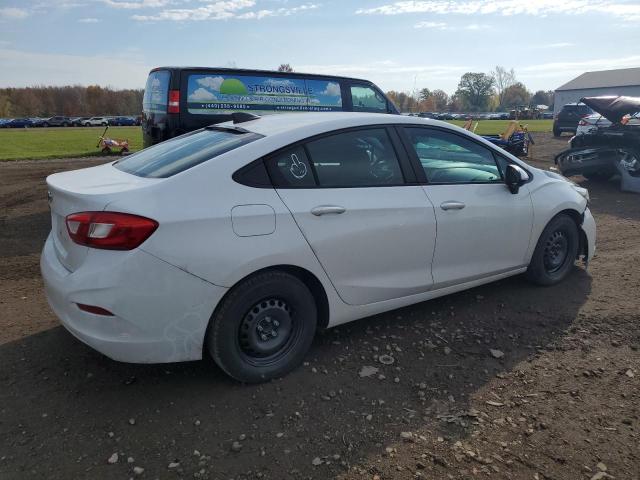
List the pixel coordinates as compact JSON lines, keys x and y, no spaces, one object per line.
{"x":275,"y":124}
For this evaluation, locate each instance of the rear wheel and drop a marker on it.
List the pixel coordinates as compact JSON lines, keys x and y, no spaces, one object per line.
{"x":263,"y":327}
{"x":555,"y":252}
{"x":556,"y":131}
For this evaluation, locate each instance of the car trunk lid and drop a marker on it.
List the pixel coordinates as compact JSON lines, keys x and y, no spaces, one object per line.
{"x":90,"y":189}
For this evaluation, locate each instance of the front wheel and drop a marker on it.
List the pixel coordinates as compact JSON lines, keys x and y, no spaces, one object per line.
{"x":555,"y":252}
{"x":263,"y":327}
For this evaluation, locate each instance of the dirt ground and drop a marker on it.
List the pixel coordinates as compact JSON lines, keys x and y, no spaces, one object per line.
{"x":557,"y":398}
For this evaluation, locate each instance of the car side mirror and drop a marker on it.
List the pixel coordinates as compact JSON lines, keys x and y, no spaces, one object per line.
{"x":515,"y":177}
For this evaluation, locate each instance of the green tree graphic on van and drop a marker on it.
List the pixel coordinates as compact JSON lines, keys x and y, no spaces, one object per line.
{"x":233,"y":86}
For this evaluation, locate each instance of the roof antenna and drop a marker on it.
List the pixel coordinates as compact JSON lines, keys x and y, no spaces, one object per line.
{"x":241,"y":117}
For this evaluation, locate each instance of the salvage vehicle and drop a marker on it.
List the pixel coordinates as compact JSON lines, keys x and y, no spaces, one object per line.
{"x":609,"y":149}
{"x":242,"y":239}
{"x":590,"y":124}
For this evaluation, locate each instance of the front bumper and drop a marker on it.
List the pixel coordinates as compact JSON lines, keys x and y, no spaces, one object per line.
{"x":589,"y":229}
{"x":160,"y":312}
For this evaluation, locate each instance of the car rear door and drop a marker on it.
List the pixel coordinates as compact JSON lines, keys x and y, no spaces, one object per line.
{"x":351,"y":195}
{"x":483,"y":228}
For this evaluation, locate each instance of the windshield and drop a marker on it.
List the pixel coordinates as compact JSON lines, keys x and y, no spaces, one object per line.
{"x":181,"y":153}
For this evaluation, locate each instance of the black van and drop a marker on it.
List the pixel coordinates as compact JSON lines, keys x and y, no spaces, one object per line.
{"x":181,"y":99}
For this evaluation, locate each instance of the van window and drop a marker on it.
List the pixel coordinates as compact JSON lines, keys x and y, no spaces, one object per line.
{"x":210,"y":94}
{"x":366,"y":99}
{"x":156,"y":92}
{"x":181,"y":153}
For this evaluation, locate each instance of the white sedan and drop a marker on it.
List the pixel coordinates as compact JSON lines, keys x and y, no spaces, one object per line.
{"x":240,"y":240}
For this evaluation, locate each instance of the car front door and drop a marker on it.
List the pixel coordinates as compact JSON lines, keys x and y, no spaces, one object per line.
{"x":483,"y":229}
{"x":373,"y":233}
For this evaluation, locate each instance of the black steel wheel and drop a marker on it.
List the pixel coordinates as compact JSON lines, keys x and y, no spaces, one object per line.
{"x":555,"y":252}
{"x":263,"y":327}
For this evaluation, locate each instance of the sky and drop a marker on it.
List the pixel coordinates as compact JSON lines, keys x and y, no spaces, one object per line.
{"x":399,"y":45}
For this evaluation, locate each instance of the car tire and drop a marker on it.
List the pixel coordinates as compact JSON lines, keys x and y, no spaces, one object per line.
{"x":557,"y":132}
{"x":555,"y":252}
{"x":104,"y":124}
{"x":45,"y":124}
{"x":263,"y":327}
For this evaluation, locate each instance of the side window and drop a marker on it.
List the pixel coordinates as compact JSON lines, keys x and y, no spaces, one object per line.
{"x":356,"y":158}
{"x":366,"y":99}
{"x":291,"y":168}
{"x":450,"y":158}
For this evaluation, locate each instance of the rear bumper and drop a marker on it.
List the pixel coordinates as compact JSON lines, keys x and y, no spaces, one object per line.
{"x":160,"y":312}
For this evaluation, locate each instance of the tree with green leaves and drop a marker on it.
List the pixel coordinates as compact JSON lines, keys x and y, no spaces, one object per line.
{"x":475,"y":90}
{"x":285,"y":67}
{"x":424,"y":94}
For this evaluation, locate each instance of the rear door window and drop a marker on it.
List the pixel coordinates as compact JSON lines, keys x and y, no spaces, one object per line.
{"x":156,"y":92}
{"x":181,"y":153}
{"x":211,"y":93}
{"x":355,"y":159}
{"x":366,"y":99}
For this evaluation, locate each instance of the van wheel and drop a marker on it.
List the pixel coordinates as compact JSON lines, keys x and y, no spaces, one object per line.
{"x":557,"y":132}
{"x":263,"y":327}
{"x":555,"y":252}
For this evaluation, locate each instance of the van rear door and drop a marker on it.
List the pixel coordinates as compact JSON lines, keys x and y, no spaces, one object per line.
{"x":155,"y":106}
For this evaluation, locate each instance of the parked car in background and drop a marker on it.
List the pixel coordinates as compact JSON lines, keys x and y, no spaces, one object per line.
{"x":20,"y":123}
{"x":240,"y":240}
{"x":79,"y":121}
{"x":568,"y":118}
{"x":38,"y":122}
{"x":547,"y":115}
{"x":57,"y":121}
{"x":96,"y":122}
{"x":4,"y":121}
{"x":122,"y":121}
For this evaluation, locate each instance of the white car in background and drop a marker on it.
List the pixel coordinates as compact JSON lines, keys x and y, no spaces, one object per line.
{"x":96,"y":122}
{"x":241,"y":239}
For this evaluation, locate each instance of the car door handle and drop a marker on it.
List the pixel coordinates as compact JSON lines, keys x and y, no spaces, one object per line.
{"x":452,"y":205}
{"x":327,"y":209}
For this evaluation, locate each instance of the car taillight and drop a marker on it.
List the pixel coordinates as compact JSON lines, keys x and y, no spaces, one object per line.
{"x":174,"y":101}
{"x":109,"y":230}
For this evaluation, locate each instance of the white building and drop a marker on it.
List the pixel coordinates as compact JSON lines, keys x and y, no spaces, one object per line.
{"x":625,"y":81}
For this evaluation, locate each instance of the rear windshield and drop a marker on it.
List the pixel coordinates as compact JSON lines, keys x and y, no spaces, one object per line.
{"x":181,"y":153}
{"x":212,"y":93}
{"x":156,"y":92}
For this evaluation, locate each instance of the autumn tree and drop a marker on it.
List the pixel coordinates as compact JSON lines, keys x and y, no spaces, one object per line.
{"x":440,"y":100}
{"x":503,"y":79}
{"x":515,"y":95}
